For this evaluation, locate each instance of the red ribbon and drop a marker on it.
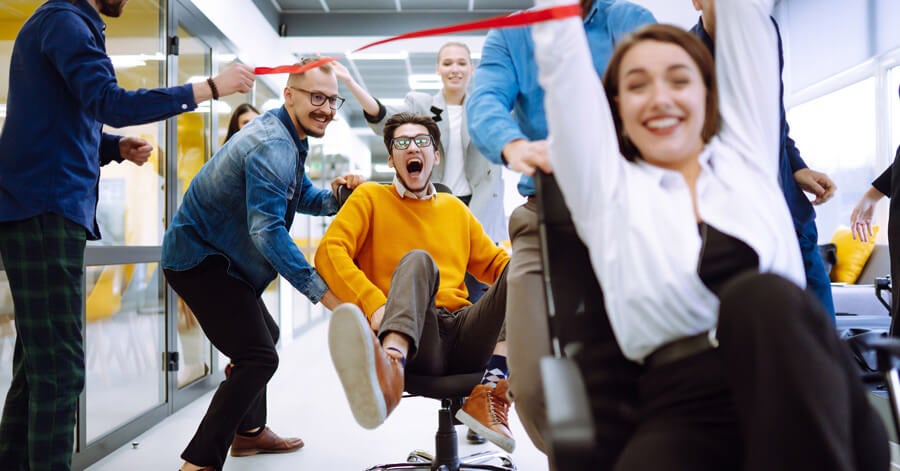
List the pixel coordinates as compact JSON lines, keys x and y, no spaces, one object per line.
{"x":506,"y":21}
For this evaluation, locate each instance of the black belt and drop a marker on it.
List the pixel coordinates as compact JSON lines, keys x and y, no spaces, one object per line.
{"x":682,"y":348}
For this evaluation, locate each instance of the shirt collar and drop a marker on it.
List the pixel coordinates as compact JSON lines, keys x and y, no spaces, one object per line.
{"x":665,"y":177}
{"x":598,"y":4}
{"x":90,"y":13}
{"x":405,"y":193}
{"x":285,"y":117}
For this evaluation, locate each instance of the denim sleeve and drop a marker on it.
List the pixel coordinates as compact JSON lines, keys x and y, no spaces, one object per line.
{"x":316,"y":201}
{"x":109,"y":148}
{"x":624,"y":18}
{"x":88,"y":72}
{"x":488,"y":108}
{"x":269,"y":170}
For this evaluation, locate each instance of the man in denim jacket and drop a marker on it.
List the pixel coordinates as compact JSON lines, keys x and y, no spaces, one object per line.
{"x":228,"y":241}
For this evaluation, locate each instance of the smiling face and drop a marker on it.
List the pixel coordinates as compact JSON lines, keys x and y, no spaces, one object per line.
{"x":662,"y":101}
{"x":454,"y":66}
{"x":414,"y":164}
{"x":308,"y":119}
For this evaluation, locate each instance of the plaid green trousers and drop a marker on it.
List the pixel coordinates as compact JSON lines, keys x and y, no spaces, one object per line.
{"x":44,"y":260}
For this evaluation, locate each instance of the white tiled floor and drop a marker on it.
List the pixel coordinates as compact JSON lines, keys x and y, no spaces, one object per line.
{"x":306,"y":400}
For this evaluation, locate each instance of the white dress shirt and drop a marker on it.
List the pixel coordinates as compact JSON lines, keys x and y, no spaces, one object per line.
{"x":636,"y":219}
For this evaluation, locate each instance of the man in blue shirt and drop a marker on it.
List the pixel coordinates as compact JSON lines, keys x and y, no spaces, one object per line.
{"x":230,"y":238}
{"x":62,"y":90}
{"x":794,"y":177}
{"x":507,"y":80}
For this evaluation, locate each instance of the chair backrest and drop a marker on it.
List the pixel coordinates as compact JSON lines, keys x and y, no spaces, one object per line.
{"x":581,"y":332}
{"x":343,"y":192}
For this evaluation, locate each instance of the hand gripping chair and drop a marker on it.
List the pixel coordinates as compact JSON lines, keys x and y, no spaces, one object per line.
{"x":452,"y":391}
{"x":588,"y":379}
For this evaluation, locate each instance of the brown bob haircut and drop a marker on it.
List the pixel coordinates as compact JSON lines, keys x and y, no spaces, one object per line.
{"x":698,"y":53}
{"x":400,"y":119}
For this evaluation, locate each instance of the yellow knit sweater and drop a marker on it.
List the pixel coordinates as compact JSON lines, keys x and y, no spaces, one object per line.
{"x":376,"y":227}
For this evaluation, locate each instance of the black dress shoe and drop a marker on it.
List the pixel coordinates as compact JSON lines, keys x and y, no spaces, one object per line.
{"x":474,"y":438}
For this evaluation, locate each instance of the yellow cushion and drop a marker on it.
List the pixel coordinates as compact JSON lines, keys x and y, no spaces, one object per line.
{"x":852,"y":255}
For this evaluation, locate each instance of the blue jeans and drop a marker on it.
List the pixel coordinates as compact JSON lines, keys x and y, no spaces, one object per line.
{"x":817,"y":281}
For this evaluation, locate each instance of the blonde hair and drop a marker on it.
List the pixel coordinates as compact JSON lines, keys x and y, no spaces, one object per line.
{"x":293,"y":78}
{"x":454,"y":44}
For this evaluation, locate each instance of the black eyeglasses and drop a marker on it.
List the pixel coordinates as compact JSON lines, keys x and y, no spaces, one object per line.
{"x":402,"y":142}
{"x":318,"y":99}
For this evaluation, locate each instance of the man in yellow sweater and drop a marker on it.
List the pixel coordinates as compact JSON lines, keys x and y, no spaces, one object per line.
{"x":397,"y":255}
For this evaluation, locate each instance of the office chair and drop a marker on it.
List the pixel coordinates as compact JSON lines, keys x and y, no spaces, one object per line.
{"x":588,"y":380}
{"x":451,"y":390}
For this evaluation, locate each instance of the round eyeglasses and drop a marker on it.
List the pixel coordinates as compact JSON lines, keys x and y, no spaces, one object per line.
{"x":403,"y":142}
{"x":318,"y":99}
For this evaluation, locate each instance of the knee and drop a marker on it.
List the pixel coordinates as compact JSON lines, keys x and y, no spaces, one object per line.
{"x":276,"y":333}
{"x":419,"y":259}
{"x":767,"y":302}
{"x":262,"y":360}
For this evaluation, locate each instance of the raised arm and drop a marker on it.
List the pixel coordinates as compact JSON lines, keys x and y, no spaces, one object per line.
{"x":583,"y":147}
{"x":748,"y":73}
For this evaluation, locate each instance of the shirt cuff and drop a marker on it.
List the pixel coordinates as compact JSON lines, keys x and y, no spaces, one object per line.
{"x":315,"y":288}
{"x":382,"y":111}
{"x":184,"y":97}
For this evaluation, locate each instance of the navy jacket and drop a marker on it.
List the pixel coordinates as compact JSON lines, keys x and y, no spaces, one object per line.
{"x":62,"y":89}
{"x":802,"y":211}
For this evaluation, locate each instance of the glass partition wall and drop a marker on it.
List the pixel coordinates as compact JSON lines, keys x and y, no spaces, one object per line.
{"x":145,"y":355}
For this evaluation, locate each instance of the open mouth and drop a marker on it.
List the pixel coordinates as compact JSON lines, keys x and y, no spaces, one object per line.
{"x":414,"y":166}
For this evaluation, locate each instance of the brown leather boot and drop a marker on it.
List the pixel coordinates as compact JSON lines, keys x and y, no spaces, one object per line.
{"x":486,"y":412}
{"x":266,"y":442}
{"x":372,"y":379}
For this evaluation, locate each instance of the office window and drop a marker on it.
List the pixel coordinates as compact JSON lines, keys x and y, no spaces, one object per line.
{"x":131,"y":206}
{"x":836,"y":134}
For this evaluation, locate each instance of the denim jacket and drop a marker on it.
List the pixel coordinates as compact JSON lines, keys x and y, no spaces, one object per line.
{"x":507,"y":79}
{"x":241,"y":205}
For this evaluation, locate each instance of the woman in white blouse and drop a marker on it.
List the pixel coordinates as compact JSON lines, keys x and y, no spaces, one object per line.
{"x":672,"y":184}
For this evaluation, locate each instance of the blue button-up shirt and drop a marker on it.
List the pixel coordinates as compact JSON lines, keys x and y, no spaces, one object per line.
{"x":802,"y":211}
{"x":242,"y":203}
{"x":507,"y":79}
{"x":62,"y":89}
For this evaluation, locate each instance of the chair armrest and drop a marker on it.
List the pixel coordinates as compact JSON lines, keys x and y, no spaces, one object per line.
{"x":569,"y":419}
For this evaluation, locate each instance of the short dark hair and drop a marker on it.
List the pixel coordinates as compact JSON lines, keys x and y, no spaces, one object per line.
{"x":698,"y":53}
{"x":400,"y":119}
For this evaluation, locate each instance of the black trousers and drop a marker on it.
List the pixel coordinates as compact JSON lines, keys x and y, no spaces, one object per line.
{"x":237,"y":322}
{"x":780,"y":393}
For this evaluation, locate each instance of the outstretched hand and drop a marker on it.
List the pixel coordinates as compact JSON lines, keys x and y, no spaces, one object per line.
{"x":135,"y":149}
{"x":861,"y":218}
{"x":236,"y":78}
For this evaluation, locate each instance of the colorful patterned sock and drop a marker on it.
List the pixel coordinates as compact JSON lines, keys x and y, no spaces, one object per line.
{"x":495,"y":370}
